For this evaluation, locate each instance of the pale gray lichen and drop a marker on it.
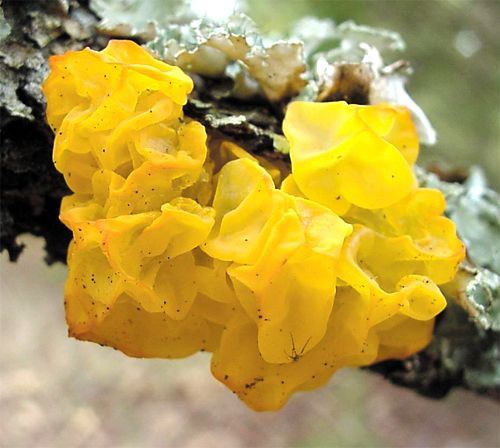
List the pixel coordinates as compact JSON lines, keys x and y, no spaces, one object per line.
{"x":352,"y":37}
{"x":389,"y":86}
{"x":467,"y":339}
{"x":234,"y":49}
{"x":23,"y":66}
{"x":466,"y":342}
{"x":346,"y":63}
{"x":22,"y":70}
{"x":4,"y":26}
{"x":475,"y":209}
{"x":138,"y":18}
{"x":467,"y":354}
{"x":483,"y":292}
{"x":344,"y":59}
{"x":315,"y":34}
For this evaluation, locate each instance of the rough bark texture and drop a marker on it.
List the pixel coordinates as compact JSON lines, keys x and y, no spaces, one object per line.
{"x":462,"y":353}
{"x":31,"y":189}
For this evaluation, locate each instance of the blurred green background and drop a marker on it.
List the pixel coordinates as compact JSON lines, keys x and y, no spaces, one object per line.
{"x":454,"y":48}
{"x":56,"y":391}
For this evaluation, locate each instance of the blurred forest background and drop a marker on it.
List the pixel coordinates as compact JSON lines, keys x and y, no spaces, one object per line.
{"x":59,"y":392}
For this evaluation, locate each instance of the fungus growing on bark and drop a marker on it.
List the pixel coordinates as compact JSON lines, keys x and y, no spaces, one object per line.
{"x":179,"y":247}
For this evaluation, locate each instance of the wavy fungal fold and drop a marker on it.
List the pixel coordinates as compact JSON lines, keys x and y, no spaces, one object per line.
{"x":183,"y":243}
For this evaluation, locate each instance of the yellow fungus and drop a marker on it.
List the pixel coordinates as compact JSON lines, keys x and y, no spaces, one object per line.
{"x":284,"y":252}
{"x":182,"y":244}
{"x":346,"y":155}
